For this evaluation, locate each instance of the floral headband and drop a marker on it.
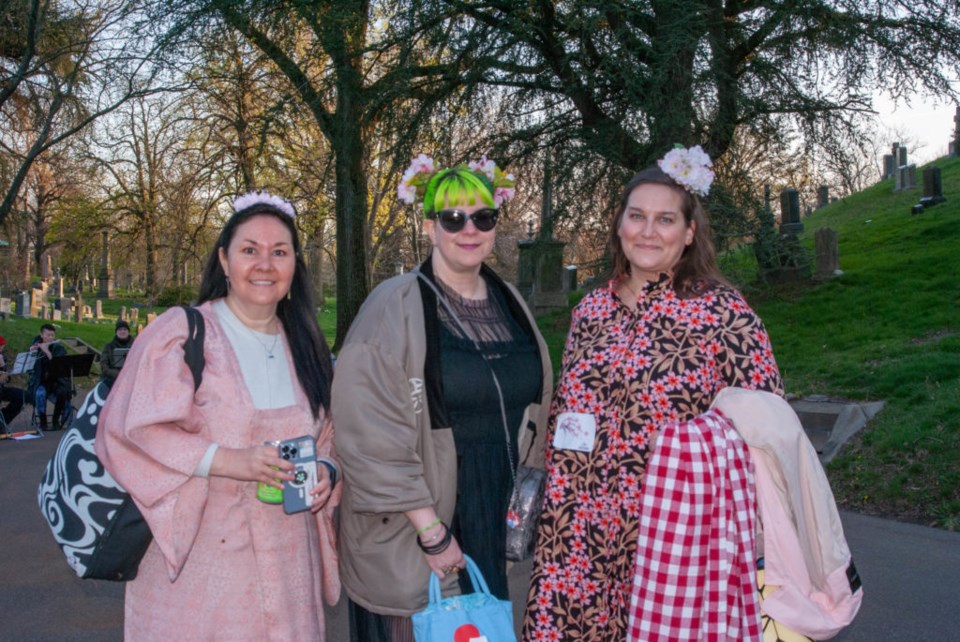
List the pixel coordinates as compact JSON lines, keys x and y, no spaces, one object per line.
{"x":263,"y":197}
{"x":414,"y":183}
{"x":689,"y":167}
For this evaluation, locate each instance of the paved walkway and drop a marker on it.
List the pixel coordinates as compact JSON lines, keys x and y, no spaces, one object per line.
{"x":911,"y":574}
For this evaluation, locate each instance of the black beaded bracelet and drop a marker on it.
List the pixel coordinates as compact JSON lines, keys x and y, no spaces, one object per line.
{"x":333,"y":471}
{"x":439,"y":547}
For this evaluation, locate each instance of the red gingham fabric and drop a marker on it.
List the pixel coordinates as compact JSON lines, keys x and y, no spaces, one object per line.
{"x":696,"y":569}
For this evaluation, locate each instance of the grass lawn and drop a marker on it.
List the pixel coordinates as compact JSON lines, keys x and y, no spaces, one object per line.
{"x":887,"y":329}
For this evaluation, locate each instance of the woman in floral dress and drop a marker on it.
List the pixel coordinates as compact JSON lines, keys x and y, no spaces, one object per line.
{"x":654,"y":344}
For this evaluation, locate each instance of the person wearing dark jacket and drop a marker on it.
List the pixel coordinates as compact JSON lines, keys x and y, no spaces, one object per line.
{"x":43,"y":383}
{"x":9,"y":394}
{"x":115,"y":353}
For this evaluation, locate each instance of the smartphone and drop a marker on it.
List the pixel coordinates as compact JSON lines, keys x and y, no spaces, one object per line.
{"x":301,"y":452}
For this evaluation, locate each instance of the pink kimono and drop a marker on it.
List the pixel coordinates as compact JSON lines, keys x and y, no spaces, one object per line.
{"x":222,"y":565}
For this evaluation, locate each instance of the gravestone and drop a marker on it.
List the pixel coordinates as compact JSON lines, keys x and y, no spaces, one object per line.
{"x":123,"y":313}
{"x":889,"y":166}
{"x":525,"y":267}
{"x":906,"y":178}
{"x":911,"y":178}
{"x":790,"y":212}
{"x":150,"y":317}
{"x":828,"y":253}
{"x":46,"y":268}
{"x":65,"y":306}
{"x":23,"y":304}
{"x":134,"y":315}
{"x":5,"y":305}
{"x":955,"y":143}
{"x":36,"y":302}
{"x":540,"y":265}
{"x":901,"y":156}
{"x":570,"y":278}
{"x":56,"y":315}
{"x":823,"y":196}
{"x":932,"y":188}
{"x":106,"y":279}
{"x":98,"y":310}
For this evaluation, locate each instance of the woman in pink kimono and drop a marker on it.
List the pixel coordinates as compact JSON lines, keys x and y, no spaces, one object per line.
{"x":223,"y":564}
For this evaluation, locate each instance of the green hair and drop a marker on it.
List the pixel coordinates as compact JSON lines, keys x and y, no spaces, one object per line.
{"x":456,"y":186}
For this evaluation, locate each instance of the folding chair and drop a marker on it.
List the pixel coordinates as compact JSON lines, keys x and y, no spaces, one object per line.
{"x":5,"y":429}
{"x":41,"y":398}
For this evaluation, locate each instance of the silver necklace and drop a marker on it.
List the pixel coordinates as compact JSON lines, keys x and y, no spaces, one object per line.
{"x":269,"y":351}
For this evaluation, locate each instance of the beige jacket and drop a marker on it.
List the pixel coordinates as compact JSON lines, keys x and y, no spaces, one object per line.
{"x":806,"y":554}
{"x":392,"y":460}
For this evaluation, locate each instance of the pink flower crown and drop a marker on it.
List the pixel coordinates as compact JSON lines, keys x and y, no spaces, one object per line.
{"x":413,"y":184}
{"x":263,"y":197}
{"x":690,"y":168}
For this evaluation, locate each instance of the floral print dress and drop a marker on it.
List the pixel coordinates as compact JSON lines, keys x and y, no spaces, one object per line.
{"x":634,"y":371}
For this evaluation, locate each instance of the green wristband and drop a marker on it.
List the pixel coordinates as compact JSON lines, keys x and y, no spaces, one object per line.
{"x":421,"y":531}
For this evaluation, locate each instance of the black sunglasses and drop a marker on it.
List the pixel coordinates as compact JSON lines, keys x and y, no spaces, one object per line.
{"x":455,"y":220}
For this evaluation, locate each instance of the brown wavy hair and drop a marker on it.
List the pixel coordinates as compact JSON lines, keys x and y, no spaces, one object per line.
{"x":697,"y":270}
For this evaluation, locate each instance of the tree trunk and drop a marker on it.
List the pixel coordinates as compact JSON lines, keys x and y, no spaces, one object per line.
{"x":675,"y":47}
{"x":315,"y":264}
{"x":150,"y":247}
{"x":351,"y":209}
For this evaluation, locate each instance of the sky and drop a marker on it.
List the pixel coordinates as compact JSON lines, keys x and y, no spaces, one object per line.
{"x":929,"y":124}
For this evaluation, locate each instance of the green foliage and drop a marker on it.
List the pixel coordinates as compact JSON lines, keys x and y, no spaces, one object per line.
{"x":327,"y":318}
{"x":176,"y":295}
{"x":777,"y":254}
{"x":887,"y":329}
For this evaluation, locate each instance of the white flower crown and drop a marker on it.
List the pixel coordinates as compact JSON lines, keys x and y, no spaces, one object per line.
{"x":690,"y":168}
{"x":263,"y":197}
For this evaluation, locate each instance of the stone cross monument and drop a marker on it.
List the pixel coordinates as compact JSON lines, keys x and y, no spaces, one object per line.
{"x":540,"y":266}
{"x":106,"y":279}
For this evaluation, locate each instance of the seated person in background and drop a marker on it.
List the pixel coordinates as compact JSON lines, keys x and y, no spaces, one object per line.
{"x":115,"y":353}
{"x":12,"y":396}
{"x":42,"y":382}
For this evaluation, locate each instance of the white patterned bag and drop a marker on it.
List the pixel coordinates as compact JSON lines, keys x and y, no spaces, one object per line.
{"x":93,"y":519}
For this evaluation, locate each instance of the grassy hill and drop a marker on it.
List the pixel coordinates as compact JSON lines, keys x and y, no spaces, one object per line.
{"x":887,"y":329}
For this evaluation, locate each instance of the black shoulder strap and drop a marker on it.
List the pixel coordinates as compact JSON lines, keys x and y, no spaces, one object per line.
{"x":193,"y":346}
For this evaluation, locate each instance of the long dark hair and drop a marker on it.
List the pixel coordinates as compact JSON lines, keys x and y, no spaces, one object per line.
{"x":311,"y":355}
{"x":697,"y":270}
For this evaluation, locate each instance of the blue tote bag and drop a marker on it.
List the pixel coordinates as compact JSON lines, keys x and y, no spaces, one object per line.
{"x":475,"y":616}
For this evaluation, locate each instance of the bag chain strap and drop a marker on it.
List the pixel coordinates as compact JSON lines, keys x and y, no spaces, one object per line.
{"x":512,"y":520}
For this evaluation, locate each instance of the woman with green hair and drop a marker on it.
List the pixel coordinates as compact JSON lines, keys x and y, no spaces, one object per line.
{"x":428,"y":438}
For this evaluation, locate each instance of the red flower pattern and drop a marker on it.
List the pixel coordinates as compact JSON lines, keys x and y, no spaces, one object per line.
{"x":635,"y":371}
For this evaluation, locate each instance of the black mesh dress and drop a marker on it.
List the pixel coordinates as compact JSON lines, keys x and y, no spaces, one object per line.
{"x":484,"y":473}
{"x":484,"y":469}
